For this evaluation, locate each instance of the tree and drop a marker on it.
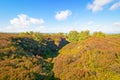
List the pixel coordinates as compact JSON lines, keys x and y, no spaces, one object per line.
{"x":31,"y":32}
{"x":73,"y":36}
{"x":38,"y":37}
{"x":84,"y":35}
{"x":60,"y":33}
{"x":99,"y":34}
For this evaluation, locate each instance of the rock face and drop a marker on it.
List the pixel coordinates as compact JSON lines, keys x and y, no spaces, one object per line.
{"x":92,"y":59}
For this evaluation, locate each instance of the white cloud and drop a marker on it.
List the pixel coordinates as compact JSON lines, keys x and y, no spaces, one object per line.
{"x":98,"y":5}
{"x":23,"y":23}
{"x":62,"y":15}
{"x":115,"y":6}
{"x":117,"y":24}
{"x":24,"y":20}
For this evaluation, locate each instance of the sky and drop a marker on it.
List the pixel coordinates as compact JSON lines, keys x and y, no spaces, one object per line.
{"x":52,"y":16}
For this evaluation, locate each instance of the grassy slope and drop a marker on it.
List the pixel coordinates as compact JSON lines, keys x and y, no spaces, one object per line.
{"x":92,"y":59}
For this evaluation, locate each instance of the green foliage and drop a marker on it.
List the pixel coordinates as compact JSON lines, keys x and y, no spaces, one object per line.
{"x":31,"y":32}
{"x":114,"y":35}
{"x":73,"y":36}
{"x":24,"y":33}
{"x":99,"y":34}
{"x":78,"y":36}
{"x":84,"y":35}
{"x":60,"y":34}
{"x":38,"y":37}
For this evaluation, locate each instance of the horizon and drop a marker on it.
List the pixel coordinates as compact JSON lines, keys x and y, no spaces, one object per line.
{"x":59,"y":16}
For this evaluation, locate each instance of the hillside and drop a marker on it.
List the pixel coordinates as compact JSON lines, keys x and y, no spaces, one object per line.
{"x":28,"y":57}
{"x":36,"y":56}
{"x":91,"y":59}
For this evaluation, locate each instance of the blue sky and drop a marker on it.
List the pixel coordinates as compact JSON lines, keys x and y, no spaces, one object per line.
{"x":59,"y":15}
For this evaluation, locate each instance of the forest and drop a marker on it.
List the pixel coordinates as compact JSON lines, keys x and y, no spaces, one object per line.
{"x":59,"y":56}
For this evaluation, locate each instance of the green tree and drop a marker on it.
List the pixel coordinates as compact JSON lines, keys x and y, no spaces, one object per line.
{"x":31,"y":32}
{"x":99,"y":34}
{"x":84,"y":35}
{"x":73,"y":36}
{"x":38,"y":37}
{"x":60,"y":33}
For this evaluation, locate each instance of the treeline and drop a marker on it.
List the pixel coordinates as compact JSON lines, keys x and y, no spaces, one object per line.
{"x":73,"y":36}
